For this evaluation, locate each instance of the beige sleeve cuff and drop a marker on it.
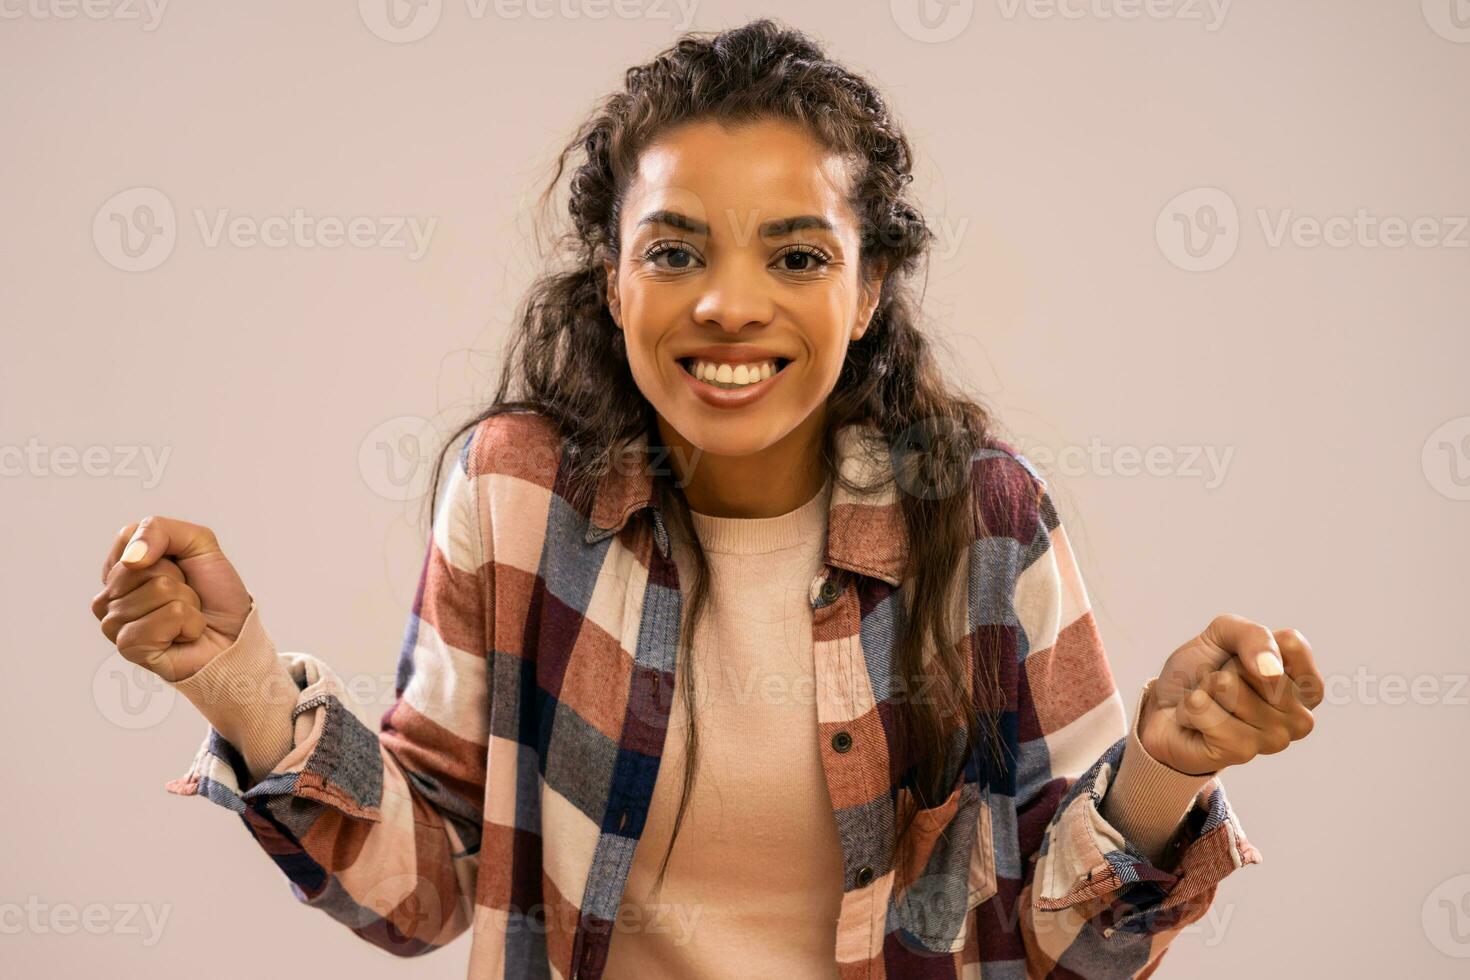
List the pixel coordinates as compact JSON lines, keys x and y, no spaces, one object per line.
{"x":247,"y":694}
{"x":1147,"y":800}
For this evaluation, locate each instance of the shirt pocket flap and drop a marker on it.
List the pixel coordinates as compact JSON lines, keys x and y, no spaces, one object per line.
{"x":952,"y":870}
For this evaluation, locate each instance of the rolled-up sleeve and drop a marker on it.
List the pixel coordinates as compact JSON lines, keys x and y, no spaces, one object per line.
{"x":379,"y":829}
{"x":1097,"y":901}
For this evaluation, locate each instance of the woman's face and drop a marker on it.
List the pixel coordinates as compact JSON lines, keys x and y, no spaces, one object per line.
{"x":739,"y":258}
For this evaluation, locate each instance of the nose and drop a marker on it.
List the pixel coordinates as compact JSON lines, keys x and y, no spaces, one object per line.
{"x":736,"y":296}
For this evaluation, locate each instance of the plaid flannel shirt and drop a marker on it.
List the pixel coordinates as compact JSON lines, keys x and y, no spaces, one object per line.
{"x":509,"y":783}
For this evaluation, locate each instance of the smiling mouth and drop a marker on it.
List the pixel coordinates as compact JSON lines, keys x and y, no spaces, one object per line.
{"x":687,"y":364}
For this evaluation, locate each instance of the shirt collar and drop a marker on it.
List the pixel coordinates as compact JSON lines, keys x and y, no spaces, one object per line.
{"x":865,"y":530}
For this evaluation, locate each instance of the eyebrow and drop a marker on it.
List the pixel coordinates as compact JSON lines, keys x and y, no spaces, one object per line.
{"x":771,"y":229}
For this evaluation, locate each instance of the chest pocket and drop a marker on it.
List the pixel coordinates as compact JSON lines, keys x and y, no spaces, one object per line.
{"x":953,"y":871}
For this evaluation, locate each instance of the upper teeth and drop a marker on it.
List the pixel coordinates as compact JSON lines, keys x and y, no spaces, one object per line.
{"x":738,"y":374}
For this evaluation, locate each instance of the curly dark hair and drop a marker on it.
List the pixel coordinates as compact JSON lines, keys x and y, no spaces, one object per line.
{"x":566,"y":359}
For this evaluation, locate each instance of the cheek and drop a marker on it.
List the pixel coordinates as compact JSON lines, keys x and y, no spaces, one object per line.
{"x":638,"y":319}
{"x":643,"y":358}
{"x":828,"y":337}
{"x":825,"y":314}
{"x":646,"y":322}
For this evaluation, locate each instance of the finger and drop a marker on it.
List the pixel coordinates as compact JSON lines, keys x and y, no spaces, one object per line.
{"x":119,"y":542}
{"x":161,"y":536}
{"x":1255,"y":647}
{"x":1234,"y":694}
{"x":146,"y":641}
{"x":157,"y":592}
{"x":1275,"y":731}
{"x":1289,"y":694}
{"x":122,"y":580}
{"x":1301,"y":665}
{"x":1224,"y":739}
{"x":1237,"y":697}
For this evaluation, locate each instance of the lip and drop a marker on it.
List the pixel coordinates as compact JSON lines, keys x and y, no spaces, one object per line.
{"x":733,"y":354}
{"x":731,"y":398}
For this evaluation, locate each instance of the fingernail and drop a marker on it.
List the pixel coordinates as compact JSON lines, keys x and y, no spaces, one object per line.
{"x":1197,"y":698}
{"x":1268,"y":664}
{"x":135,"y":550}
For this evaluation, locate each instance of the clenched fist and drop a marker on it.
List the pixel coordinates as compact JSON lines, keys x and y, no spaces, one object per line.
{"x":170,"y":599}
{"x":1236,"y":691}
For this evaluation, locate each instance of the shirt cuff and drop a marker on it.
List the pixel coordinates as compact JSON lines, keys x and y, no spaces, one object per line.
{"x":247,"y":694}
{"x":1147,"y":799}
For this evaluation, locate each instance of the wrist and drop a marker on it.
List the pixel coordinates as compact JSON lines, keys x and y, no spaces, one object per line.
{"x":1146,"y":708}
{"x":1147,"y":799}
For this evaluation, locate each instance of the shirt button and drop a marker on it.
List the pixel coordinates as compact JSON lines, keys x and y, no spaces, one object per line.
{"x":830,"y":590}
{"x":842,"y":741}
{"x":865,"y":875}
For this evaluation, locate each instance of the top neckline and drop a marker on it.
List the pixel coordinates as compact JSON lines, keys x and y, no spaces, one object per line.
{"x":758,"y":535}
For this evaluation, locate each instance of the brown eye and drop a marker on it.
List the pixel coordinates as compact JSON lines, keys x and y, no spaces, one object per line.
{"x":801,"y":259}
{"x":679,"y":257}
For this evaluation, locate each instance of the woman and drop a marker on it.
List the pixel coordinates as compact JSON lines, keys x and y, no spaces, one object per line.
{"x":733,"y":502}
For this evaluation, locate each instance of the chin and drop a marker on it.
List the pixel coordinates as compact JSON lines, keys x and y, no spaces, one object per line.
{"x":730,"y":433}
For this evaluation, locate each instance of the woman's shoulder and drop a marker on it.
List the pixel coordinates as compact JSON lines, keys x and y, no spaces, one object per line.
{"x":1009,"y":492}
{"x":522,"y":443}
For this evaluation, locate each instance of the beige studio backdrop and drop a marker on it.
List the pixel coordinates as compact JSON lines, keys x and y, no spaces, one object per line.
{"x":1209,"y":261}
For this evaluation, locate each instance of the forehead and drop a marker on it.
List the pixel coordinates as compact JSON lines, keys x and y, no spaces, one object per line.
{"x":743,"y":175}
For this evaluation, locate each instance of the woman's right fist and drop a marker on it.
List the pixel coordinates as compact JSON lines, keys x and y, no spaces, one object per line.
{"x":170,"y":616}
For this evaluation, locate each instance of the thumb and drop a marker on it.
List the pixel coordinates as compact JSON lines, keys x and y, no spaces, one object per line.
{"x":157,"y":536}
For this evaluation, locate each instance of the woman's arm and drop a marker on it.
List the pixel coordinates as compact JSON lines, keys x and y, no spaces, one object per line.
{"x":1147,"y":800}
{"x":379,"y":830}
{"x":1094,"y":900}
{"x":248,"y":695}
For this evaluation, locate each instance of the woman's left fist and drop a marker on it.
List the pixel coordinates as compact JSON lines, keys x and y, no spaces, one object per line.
{"x":1236,"y":691}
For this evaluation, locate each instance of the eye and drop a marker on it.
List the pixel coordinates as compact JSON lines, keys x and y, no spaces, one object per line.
{"x":680,"y":257}
{"x":803,"y":258}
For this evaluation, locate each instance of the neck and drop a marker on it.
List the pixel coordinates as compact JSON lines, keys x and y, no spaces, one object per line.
{"x":768,"y":483}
